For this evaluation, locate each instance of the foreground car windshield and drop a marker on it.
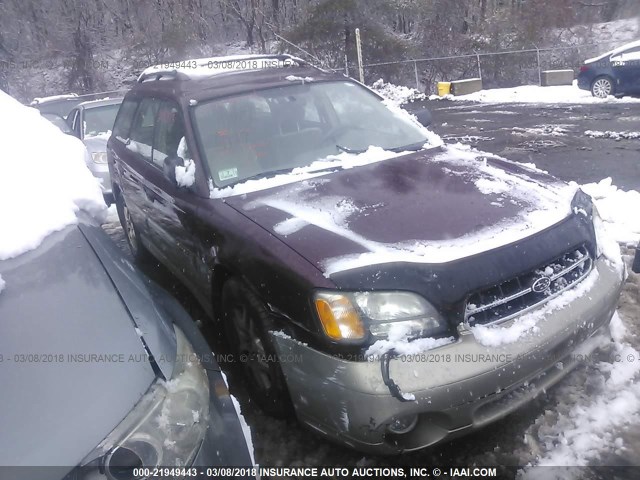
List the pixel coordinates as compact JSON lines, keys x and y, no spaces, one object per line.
{"x":99,"y":119}
{"x":282,"y":128}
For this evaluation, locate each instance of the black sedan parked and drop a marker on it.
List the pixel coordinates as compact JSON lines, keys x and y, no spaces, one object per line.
{"x":614,"y":73}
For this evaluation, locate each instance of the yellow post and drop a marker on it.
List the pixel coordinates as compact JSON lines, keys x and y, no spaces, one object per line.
{"x":444,"y":88}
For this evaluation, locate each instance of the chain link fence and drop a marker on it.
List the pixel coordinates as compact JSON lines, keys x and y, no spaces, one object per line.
{"x":497,"y":69}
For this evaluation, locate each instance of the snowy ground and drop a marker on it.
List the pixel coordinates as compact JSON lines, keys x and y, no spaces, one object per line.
{"x":593,"y":416}
{"x":563,"y":94}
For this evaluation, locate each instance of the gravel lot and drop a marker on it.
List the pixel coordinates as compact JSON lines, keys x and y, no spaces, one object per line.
{"x":522,"y":133}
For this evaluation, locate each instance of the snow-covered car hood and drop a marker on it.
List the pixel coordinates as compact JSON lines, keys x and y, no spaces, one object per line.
{"x":423,"y":207}
{"x":74,"y":360}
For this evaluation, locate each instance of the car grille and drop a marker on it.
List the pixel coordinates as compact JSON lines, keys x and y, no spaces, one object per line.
{"x":524,"y":292}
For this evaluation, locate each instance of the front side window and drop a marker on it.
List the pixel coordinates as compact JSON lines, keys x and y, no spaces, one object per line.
{"x":169,"y":138}
{"x":99,"y":120}
{"x":141,"y":136}
{"x":124,"y":119}
{"x":283,"y":128}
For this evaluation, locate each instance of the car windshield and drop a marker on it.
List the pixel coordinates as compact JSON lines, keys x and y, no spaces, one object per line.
{"x":282,"y":128}
{"x":99,"y":120}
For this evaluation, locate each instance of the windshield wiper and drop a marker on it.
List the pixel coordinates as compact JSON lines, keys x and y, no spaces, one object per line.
{"x":269,"y":173}
{"x":412,"y":147}
{"x":350,"y":150}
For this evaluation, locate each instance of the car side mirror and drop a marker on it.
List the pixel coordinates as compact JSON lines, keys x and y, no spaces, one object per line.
{"x":424,"y":117}
{"x":169,"y":168}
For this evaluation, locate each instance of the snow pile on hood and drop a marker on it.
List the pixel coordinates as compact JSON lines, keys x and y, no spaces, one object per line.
{"x":546,"y":210}
{"x":590,"y":426}
{"x":398,"y":94}
{"x":562,"y":94}
{"x":342,"y":161}
{"x":618,"y":209}
{"x":44,"y":179}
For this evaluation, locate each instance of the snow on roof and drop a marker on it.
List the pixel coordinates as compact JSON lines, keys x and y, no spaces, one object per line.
{"x":44,"y":179}
{"x":102,"y":101}
{"x":614,"y":51}
{"x":39,"y":100}
{"x":205,"y":67}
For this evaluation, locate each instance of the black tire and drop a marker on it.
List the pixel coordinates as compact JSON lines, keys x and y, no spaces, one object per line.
{"x":602,"y":87}
{"x":246,"y":323}
{"x":138,"y":251}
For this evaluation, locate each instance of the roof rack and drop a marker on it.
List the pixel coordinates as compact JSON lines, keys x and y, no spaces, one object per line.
{"x":207,"y":67}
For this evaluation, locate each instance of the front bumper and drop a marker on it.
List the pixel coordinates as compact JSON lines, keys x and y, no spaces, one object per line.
{"x":458,"y":387}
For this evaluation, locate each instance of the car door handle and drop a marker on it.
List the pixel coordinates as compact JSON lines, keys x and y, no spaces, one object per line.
{"x":129,"y":176}
{"x":151,"y":195}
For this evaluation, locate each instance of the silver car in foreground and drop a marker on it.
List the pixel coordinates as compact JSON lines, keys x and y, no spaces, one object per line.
{"x":102,"y":371}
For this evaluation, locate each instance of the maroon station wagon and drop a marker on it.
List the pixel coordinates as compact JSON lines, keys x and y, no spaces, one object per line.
{"x":390,"y":291}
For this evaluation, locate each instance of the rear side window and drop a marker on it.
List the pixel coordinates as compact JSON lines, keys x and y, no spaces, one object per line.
{"x":123,"y":122}
{"x":141,"y":136}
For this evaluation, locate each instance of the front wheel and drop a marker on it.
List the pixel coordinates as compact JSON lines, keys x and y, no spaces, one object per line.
{"x":246,"y":323}
{"x":602,"y":87}
{"x":138,"y":251}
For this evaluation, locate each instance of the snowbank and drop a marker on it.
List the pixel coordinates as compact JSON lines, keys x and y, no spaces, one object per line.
{"x":562,"y":94}
{"x":588,"y":430}
{"x":44,"y":179}
{"x":612,"y":135}
{"x":398,"y":94}
{"x":618,"y":209}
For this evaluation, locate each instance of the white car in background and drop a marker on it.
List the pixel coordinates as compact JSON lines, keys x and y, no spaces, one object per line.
{"x":92,"y":123}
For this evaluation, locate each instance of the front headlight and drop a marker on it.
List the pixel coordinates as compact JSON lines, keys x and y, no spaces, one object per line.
{"x":99,"y":158}
{"x":347,"y":316}
{"x":166,"y":427}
